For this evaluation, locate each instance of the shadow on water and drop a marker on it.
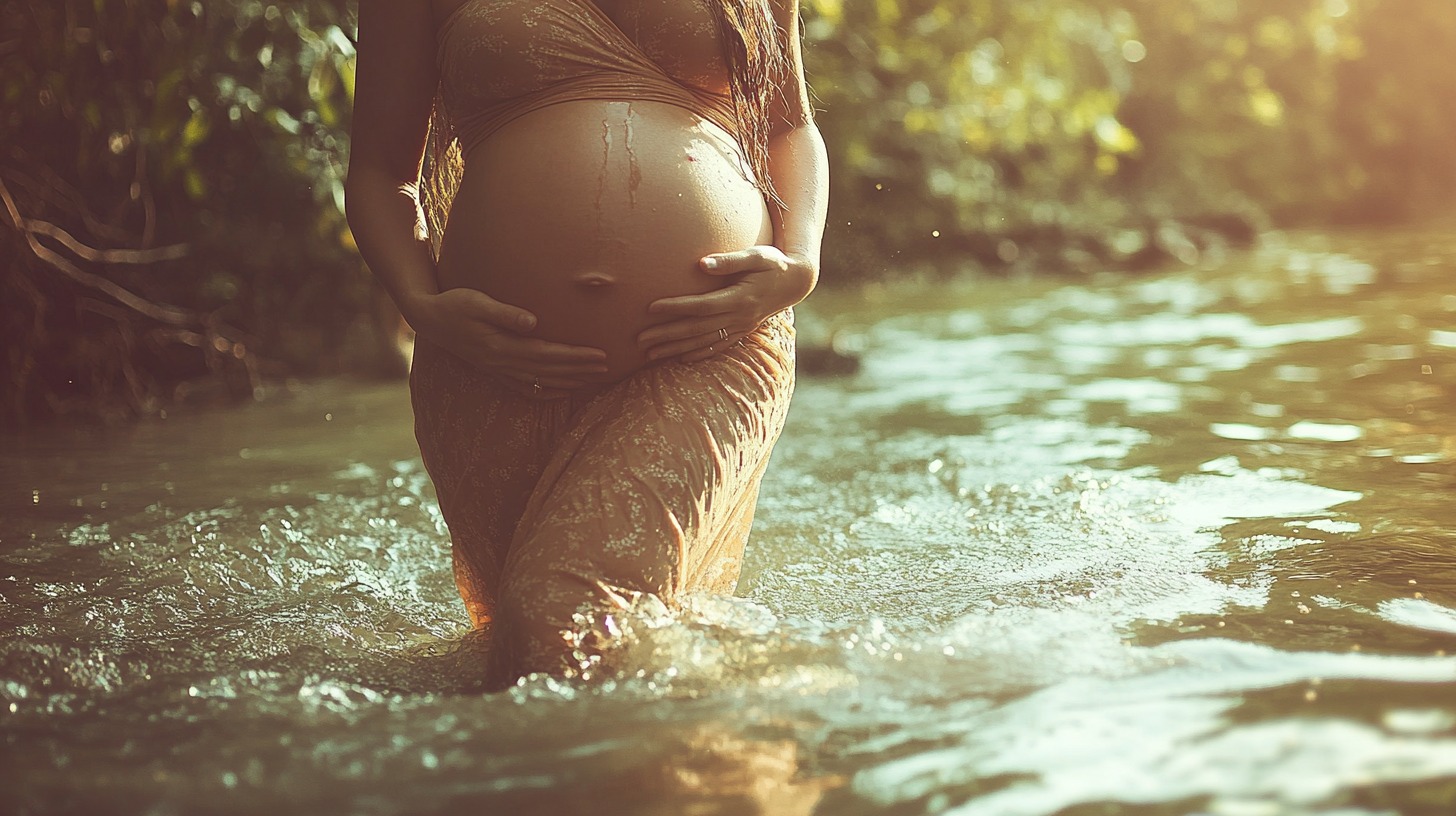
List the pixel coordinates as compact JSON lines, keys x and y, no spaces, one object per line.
{"x":1166,"y":545}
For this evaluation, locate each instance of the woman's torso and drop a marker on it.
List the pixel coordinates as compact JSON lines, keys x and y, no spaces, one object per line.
{"x":585,"y":211}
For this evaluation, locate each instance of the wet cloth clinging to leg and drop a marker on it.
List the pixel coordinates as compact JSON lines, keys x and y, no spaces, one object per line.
{"x":582,"y":502}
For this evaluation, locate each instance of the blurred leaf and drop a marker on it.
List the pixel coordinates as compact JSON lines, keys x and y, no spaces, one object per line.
{"x":990,"y":121}
{"x":196,"y":187}
{"x":285,"y":121}
{"x":196,"y":130}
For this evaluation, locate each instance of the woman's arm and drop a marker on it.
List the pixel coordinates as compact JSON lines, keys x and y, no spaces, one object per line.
{"x":773,"y":278}
{"x":798,"y":161}
{"x":394,"y":94}
{"x":395,"y":89}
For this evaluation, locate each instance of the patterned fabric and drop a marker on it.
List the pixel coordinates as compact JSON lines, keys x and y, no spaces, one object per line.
{"x":580,"y":503}
{"x":502,"y":59}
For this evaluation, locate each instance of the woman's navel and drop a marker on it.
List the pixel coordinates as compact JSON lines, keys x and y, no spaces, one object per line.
{"x":593,"y":279}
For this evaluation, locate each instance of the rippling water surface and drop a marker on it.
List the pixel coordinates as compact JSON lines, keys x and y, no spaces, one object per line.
{"x":1169,"y":545}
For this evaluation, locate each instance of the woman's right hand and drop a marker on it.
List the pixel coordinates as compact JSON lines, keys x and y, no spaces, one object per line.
{"x":492,"y":335}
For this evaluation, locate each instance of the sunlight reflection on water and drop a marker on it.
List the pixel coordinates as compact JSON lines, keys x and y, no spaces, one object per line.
{"x":1180,"y":544}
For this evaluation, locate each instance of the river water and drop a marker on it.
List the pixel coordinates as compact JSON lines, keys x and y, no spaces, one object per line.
{"x":1179,"y":544}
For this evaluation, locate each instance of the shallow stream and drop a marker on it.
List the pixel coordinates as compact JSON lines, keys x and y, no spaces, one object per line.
{"x":1180,"y":544}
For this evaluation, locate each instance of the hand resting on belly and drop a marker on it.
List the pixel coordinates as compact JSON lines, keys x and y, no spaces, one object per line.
{"x":585,"y":213}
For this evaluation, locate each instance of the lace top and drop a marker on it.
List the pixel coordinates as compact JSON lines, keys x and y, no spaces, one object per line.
{"x":502,"y":59}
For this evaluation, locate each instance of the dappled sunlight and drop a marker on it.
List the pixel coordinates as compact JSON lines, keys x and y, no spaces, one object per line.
{"x":1118,"y":478}
{"x":995,"y":572}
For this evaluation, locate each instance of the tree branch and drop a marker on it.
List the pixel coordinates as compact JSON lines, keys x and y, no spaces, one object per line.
{"x":170,"y":315}
{"x":117,"y":256}
{"x":55,"y":190}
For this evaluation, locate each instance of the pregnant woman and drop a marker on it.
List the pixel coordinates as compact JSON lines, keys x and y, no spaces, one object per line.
{"x":596,"y":216}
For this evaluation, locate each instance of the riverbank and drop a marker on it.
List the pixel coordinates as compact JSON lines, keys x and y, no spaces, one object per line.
{"x":116,"y":369}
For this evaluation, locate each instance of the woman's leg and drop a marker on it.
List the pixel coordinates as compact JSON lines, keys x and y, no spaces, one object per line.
{"x":484,"y":446}
{"x":652,"y":490}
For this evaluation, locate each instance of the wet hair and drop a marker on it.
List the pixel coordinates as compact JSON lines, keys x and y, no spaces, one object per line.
{"x":756,"y":51}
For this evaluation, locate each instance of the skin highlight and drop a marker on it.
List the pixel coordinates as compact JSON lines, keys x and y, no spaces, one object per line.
{"x":731,"y":285}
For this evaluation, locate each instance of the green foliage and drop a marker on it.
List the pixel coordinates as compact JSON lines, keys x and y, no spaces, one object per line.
{"x":1314,"y":109}
{"x":1034,"y":133}
{"x":1396,"y":109}
{"x":985,"y":126}
{"x":219,"y":125}
{"x":966,"y":117}
{"x":1240,"y":99}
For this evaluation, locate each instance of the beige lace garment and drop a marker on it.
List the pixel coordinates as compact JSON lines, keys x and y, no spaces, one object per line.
{"x":646,"y":486}
{"x":502,"y":59}
{"x":564,"y":505}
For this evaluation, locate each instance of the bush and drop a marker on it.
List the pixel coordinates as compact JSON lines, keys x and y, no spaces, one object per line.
{"x":180,"y":166}
{"x":172,"y":170}
{"x":991,"y":127}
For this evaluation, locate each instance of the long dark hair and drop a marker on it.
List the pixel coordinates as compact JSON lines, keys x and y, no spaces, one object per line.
{"x":757,"y":54}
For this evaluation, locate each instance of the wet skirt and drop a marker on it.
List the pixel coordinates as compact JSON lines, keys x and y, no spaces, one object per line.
{"x":581,"y":503}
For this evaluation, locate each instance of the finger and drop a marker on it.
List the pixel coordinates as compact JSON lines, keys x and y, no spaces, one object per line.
{"x":544,"y":392}
{"x":545,"y":352}
{"x":699,"y":355}
{"x":710,"y":343}
{"x":533,"y":383}
{"x":549,"y":383}
{"x":562,"y":376}
{"x":569,"y":370}
{"x":532,"y":366}
{"x":718,"y":301}
{"x":744,"y":260}
{"x":681,"y":330}
{"x":499,"y":314}
{"x":492,"y":358}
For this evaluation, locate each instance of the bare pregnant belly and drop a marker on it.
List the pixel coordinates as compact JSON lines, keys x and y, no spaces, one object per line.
{"x":586,"y":212}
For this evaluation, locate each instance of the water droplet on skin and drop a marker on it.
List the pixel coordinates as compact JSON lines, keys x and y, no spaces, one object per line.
{"x":634,"y":171}
{"x":606,"y":159}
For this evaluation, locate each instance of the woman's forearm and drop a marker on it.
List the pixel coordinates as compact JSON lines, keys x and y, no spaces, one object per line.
{"x":799,"y":166}
{"x":388,"y":228}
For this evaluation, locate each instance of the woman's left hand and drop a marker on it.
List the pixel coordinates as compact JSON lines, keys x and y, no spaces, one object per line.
{"x":698,"y":326}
